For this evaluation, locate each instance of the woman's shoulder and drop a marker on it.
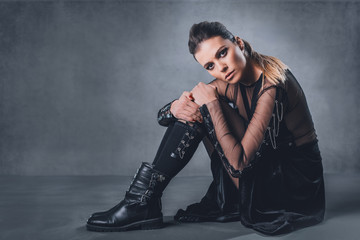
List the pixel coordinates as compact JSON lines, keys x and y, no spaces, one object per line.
{"x":289,"y":80}
{"x":281,"y":86}
{"x":291,"y":84}
{"x":269,"y":83}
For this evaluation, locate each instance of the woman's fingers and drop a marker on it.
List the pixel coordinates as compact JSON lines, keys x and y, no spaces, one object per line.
{"x":195,"y":115}
{"x":186,"y":109}
{"x":191,"y":104}
{"x":188,"y":95}
{"x":186,"y":117}
{"x":188,"y":113}
{"x":193,"y":109}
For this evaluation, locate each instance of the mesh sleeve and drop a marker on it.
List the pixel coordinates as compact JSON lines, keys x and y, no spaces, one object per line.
{"x":237,"y":151}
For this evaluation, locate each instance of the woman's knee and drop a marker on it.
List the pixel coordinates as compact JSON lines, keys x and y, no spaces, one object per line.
{"x":195,"y":127}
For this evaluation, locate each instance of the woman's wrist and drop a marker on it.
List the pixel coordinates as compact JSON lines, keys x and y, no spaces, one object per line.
{"x":211,"y":100}
{"x":206,"y":101}
{"x":172,"y":107}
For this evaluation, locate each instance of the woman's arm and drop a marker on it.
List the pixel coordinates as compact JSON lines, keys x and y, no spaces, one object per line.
{"x":183,"y":109}
{"x":237,"y":152}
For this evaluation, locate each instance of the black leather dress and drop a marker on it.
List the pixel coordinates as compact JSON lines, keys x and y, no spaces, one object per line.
{"x":282,"y":188}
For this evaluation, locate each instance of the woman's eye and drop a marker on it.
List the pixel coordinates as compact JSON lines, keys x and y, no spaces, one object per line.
{"x":223,"y":52}
{"x":210,"y":66}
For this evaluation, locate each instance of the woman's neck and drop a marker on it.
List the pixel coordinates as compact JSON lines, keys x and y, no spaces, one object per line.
{"x":252,"y":73}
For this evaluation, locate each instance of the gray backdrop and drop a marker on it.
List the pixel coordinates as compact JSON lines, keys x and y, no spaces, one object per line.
{"x":81,"y":82}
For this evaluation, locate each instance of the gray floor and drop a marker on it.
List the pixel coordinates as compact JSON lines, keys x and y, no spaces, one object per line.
{"x":57,"y":208}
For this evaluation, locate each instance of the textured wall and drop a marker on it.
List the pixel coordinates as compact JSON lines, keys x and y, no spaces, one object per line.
{"x":81,"y":82}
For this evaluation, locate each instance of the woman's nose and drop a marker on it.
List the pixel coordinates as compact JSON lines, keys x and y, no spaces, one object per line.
{"x":223,"y":67}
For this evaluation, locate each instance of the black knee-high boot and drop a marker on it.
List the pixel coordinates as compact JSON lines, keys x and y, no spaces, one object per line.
{"x":141,"y":207}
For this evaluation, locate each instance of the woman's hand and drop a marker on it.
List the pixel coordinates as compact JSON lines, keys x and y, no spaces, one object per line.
{"x":204,"y":93}
{"x":184,"y":108}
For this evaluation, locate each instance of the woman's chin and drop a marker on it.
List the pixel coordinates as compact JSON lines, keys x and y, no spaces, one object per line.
{"x":233,"y":80}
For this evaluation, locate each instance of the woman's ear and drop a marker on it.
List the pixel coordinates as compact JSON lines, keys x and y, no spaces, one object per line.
{"x":240,"y":43}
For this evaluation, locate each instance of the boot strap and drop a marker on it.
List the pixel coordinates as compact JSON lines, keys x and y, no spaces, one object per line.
{"x":145,"y":197}
{"x":147,"y":184}
{"x":147,"y":193}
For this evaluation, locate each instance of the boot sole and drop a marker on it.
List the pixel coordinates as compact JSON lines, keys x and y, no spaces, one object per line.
{"x":140,"y":225}
{"x":199,"y":218}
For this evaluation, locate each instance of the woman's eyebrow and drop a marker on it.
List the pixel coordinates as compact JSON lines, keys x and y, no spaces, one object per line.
{"x":216,"y":54}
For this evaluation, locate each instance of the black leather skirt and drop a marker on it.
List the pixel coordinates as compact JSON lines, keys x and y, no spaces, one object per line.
{"x":284,"y":190}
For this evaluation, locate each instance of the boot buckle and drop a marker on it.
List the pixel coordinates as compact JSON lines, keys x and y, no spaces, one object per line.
{"x":156,"y":177}
{"x":147,"y":194}
{"x":161,"y":178}
{"x":143,"y":198}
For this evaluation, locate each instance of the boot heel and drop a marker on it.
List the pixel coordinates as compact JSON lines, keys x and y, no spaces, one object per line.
{"x":153,"y":224}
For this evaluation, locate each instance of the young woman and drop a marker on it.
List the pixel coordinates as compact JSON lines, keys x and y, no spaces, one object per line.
{"x":254,"y":121}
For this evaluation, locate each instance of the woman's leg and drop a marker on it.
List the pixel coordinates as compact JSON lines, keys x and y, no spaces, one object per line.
{"x":141,"y":207}
{"x":178,"y":147}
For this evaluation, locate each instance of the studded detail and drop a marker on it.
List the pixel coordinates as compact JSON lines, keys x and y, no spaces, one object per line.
{"x":184,"y":143}
{"x":161,"y":178}
{"x":192,"y":134}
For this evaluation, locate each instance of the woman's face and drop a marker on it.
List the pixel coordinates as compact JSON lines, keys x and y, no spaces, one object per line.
{"x":222,"y":58}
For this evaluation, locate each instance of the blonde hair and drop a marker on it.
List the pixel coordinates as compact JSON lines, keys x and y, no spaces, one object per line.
{"x":272,"y":67}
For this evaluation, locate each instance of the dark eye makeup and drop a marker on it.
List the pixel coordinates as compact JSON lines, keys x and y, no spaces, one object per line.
{"x":220,"y":54}
{"x":209,"y":66}
{"x":223,"y":52}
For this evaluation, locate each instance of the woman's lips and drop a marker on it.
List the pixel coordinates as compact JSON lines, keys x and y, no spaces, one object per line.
{"x":229,"y":75}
